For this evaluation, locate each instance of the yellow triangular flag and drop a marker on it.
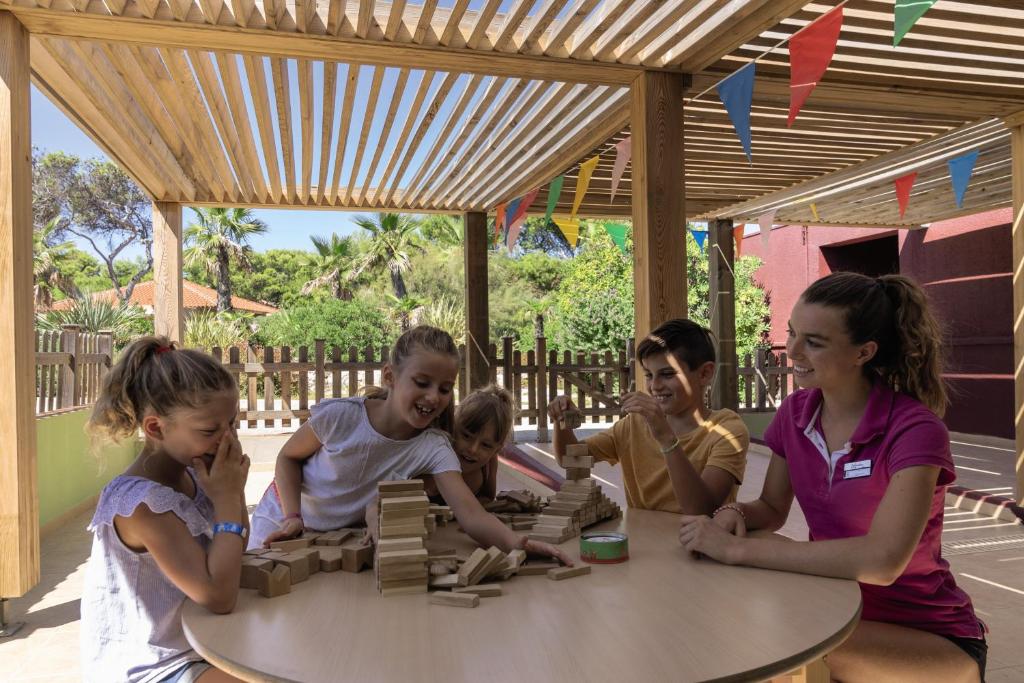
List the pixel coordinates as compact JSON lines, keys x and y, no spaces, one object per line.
{"x":814,"y":212}
{"x":583,"y":182}
{"x":570,"y":228}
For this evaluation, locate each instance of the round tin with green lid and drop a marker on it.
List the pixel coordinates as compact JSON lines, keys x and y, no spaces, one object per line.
{"x":604,"y":547}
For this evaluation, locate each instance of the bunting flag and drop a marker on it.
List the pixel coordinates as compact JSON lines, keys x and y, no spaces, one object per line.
{"x":554,"y":192}
{"x":903,"y":185}
{"x":810,"y":51}
{"x":737,"y":94}
{"x":766,"y":221}
{"x":499,"y":220}
{"x":583,"y":182}
{"x":623,"y":153}
{"x":814,"y":212}
{"x":617,"y":231}
{"x":513,"y":232}
{"x":906,"y":15}
{"x":700,"y":237}
{"x":525,"y":202}
{"x":960,"y":170}
{"x":737,"y":236}
{"x":570,"y":228}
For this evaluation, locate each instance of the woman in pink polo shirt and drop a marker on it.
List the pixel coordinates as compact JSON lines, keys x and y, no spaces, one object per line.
{"x":864,"y":451}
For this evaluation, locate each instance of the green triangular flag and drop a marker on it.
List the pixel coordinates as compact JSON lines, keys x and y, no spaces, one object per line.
{"x":617,"y":231}
{"x":906,"y":15}
{"x":554,"y":192}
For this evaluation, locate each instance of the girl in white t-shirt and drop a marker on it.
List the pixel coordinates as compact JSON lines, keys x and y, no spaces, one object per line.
{"x":327,"y":473}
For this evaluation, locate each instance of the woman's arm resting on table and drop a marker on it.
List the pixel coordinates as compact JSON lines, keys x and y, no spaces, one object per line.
{"x":482,"y":526}
{"x":878,"y":558}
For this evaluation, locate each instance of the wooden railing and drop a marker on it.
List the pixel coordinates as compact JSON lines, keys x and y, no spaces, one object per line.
{"x":70,"y":367}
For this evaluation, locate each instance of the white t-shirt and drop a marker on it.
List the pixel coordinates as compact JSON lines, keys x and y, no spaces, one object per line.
{"x":340,"y":479}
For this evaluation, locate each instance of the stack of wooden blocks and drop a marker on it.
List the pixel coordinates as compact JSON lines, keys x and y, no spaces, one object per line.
{"x":273,"y":571}
{"x":578,"y":504}
{"x":516,"y":509}
{"x":401,"y":558}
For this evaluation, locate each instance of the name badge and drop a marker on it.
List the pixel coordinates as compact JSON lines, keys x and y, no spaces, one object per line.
{"x":856,"y":469}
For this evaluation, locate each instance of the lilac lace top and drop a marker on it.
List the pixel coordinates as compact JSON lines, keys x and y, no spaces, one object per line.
{"x":131,"y":612}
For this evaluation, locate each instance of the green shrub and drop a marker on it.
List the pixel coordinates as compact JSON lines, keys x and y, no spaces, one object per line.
{"x":339,"y":323}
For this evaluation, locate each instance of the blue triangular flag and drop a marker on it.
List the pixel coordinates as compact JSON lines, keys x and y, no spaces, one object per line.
{"x":510,"y":210}
{"x":700,"y":236}
{"x":960,"y":170}
{"x":737,"y":94}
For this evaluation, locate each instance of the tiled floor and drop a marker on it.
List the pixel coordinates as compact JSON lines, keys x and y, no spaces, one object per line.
{"x":46,"y":649}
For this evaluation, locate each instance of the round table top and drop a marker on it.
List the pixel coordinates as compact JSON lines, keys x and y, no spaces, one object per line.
{"x":660,"y":616}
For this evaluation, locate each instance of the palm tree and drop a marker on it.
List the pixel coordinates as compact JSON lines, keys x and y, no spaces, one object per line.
{"x":218,"y":237}
{"x":406,"y":308}
{"x":334,"y":260}
{"x":47,"y":259}
{"x":392,"y":241}
{"x":442,"y":229}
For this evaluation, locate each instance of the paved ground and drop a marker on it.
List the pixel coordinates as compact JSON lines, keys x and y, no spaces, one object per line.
{"x":987,"y":557}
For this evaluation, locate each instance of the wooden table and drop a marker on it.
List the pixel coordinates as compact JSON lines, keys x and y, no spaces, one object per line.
{"x":661,"y":616}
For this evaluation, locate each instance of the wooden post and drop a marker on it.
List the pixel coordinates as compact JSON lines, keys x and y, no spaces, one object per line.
{"x":475,"y":260}
{"x":659,"y":216}
{"x":19,"y":496}
{"x":542,"y":389}
{"x":69,"y":345}
{"x":168,"y":301}
{"x":722,"y":292}
{"x":1016,"y":124}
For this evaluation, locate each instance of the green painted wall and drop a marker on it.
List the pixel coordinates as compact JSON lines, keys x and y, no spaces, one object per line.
{"x":69,"y":473}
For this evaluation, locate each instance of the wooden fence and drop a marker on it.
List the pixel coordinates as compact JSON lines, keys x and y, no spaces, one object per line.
{"x":278,"y":385}
{"x":70,"y":367}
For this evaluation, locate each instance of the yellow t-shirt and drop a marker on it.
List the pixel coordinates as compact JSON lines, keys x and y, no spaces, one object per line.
{"x":720,"y":441}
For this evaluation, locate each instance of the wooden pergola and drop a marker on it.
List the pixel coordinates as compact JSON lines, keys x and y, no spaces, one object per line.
{"x":375,"y":106}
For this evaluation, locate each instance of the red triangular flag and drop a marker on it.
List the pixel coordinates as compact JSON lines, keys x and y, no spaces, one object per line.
{"x":810,"y":51}
{"x":737,"y":236}
{"x":903,"y":185}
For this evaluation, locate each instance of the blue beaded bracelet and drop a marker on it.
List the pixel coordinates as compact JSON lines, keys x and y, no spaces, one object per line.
{"x":229,"y":528}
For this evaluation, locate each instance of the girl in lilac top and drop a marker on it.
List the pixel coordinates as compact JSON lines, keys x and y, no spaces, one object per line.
{"x":863,"y":449}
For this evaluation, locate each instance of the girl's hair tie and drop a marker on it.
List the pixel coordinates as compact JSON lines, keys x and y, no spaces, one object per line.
{"x":163,"y":349}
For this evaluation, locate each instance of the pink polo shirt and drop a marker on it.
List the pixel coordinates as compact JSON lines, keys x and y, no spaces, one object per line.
{"x":839,"y":493}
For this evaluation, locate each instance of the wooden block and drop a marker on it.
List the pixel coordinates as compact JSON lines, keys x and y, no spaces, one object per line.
{"x":312,"y":557}
{"x":404,"y":531}
{"x":256,"y":551}
{"x":403,"y":572}
{"x":405,"y":590}
{"x":438,"y":553}
{"x":330,"y":558}
{"x":577,"y":450}
{"x":550,"y":530}
{"x":446,"y":581}
{"x":276,"y":582}
{"x":355,"y":558}
{"x":578,"y":478}
{"x":390,"y":545}
{"x":431,"y":524}
{"x":484,"y":590}
{"x":385,"y":559}
{"x":418,"y":503}
{"x":311,"y":535}
{"x":297,"y":564}
{"x":518,"y":557}
{"x":537,"y":568}
{"x":404,"y":485}
{"x":455,"y":599}
{"x":553,"y":540}
{"x":289,"y":546}
{"x":568,"y":572}
{"x":334,"y":537}
{"x":494,"y":559}
{"x":403,"y":515}
{"x":521,"y":526}
{"x":472,"y":565}
{"x":252,"y":567}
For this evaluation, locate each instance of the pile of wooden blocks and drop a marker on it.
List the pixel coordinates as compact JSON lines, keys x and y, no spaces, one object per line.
{"x":273,"y":571}
{"x":578,"y":504}
{"x":438,"y":515}
{"x":516,"y":509}
{"x":401,"y":559}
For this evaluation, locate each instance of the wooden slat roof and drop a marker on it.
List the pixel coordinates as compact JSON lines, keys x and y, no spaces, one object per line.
{"x":411,"y":106}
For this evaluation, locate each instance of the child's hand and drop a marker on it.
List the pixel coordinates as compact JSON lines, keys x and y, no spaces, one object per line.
{"x":224,"y":480}
{"x":701,"y":536}
{"x":647,"y":407}
{"x":372,"y":516}
{"x":548,"y":550}
{"x":290,"y":528}
{"x":731,"y":521}
{"x":559,"y":407}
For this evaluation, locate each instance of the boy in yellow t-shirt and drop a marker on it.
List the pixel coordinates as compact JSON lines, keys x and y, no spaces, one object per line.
{"x":676,"y":454}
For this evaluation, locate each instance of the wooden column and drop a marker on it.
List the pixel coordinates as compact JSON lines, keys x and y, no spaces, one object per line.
{"x":1016,"y":124}
{"x":722,"y":292}
{"x":475,"y":260}
{"x":659,"y":216}
{"x":19,"y":497}
{"x":168,"y":301}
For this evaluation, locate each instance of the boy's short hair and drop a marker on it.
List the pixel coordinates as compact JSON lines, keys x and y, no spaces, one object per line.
{"x":686,"y":340}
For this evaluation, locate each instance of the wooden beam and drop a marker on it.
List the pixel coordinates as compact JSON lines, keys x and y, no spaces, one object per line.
{"x":1017,"y":237}
{"x":225,"y":38}
{"x":19,"y":497}
{"x":659,"y":215}
{"x":477,"y":339}
{"x":722,"y":293}
{"x":168,"y":305}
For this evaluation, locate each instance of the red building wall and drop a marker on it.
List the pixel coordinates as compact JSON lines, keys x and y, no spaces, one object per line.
{"x":965,"y":267}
